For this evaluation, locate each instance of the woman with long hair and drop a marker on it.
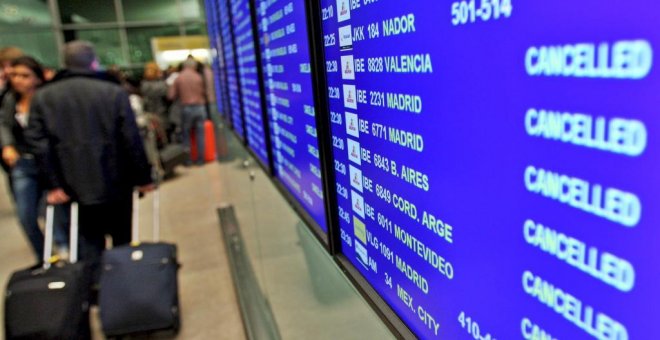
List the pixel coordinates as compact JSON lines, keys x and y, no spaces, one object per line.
{"x":154,"y":94}
{"x":25,"y":77}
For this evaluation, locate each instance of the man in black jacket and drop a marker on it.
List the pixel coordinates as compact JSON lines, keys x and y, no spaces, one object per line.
{"x":83,"y":132}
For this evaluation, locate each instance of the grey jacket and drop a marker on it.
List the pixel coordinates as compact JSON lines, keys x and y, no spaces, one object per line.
{"x":154,"y":94}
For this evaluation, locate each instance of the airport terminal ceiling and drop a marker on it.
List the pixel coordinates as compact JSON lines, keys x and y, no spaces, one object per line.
{"x":121,"y":29}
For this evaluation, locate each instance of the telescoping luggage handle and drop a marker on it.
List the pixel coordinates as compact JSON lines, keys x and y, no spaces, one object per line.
{"x":135,"y":232}
{"x":73,"y":234}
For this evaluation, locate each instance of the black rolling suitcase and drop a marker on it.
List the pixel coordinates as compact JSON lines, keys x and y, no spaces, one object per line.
{"x":171,"y":156}
{"x":50,"y":301}
{"x":139,"y":289}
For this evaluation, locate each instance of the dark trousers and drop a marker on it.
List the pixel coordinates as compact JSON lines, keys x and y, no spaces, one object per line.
{"x":101,"y":220}
{"x":28,"y":194}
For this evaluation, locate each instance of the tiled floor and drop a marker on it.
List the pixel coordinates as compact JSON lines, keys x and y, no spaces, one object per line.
{"x":188,"y":218}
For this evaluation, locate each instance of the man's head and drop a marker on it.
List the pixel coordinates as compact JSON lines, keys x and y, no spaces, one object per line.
{"x":80,"y":55}
{"x":190,"y":63}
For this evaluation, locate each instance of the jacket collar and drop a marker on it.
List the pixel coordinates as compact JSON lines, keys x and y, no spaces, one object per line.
{"x":74,"y":73}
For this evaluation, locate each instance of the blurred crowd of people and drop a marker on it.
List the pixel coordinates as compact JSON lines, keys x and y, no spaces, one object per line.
{"x":163,"y":96}
{"x":74,"y":135}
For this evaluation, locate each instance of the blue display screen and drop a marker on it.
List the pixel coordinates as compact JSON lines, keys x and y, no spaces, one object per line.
{"x":249,"y":78}
{"x":285,"y":56}
{"x":494,"y":164}
{"x":217,"y":59}
{"x":230,"y":68}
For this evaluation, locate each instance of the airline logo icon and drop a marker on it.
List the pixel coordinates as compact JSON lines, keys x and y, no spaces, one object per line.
{"x":275,"y":114}
{"x":352,"y":124}
{"x":347,"y":67}
{"x":358,"y":203}
{"x":344,"y":9}
{"x":266,"y":39}
{"x":356,"y":177}
{"x":361,"y":253}
{"x":360,"y":230}
{"x":354,"y":151}
{"x":345,"y":38}
{"x":350,"y":97}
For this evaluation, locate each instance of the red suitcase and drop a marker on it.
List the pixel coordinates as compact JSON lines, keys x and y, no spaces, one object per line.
{"x":209,"y":143}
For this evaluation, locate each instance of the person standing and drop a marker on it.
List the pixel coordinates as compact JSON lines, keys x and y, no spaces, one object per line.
{"x":83,"y":132}
{"x":154,"y":92}
{"x":190,"y":90}
{"x":26,"y":75}
{"x":174,"y":109}
{"x":154,"y":96}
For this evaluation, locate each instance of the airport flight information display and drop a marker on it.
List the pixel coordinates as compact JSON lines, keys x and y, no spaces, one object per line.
{"x":221,"y":91}
{"x":230,"y":68}
{"x":286,"y":66}
{"x":249,"y":78}
{"x":495,"y":172}
{"x":217,"y":63}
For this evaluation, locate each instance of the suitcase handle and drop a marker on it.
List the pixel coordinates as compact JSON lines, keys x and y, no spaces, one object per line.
{"x":135,"y":229}
{"x":73,"y":234}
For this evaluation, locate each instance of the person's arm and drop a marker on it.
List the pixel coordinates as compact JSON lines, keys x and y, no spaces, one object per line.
{"x":131,"y":143}
{"x":172,"y":92}
{"x":7,"y":109}
{"x":210,"y":85}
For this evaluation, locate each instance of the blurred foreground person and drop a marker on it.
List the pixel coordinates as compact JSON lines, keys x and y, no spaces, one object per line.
{"x":83,"y":132}
{"x":7,"y":55}
{"x":27,"y":184}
